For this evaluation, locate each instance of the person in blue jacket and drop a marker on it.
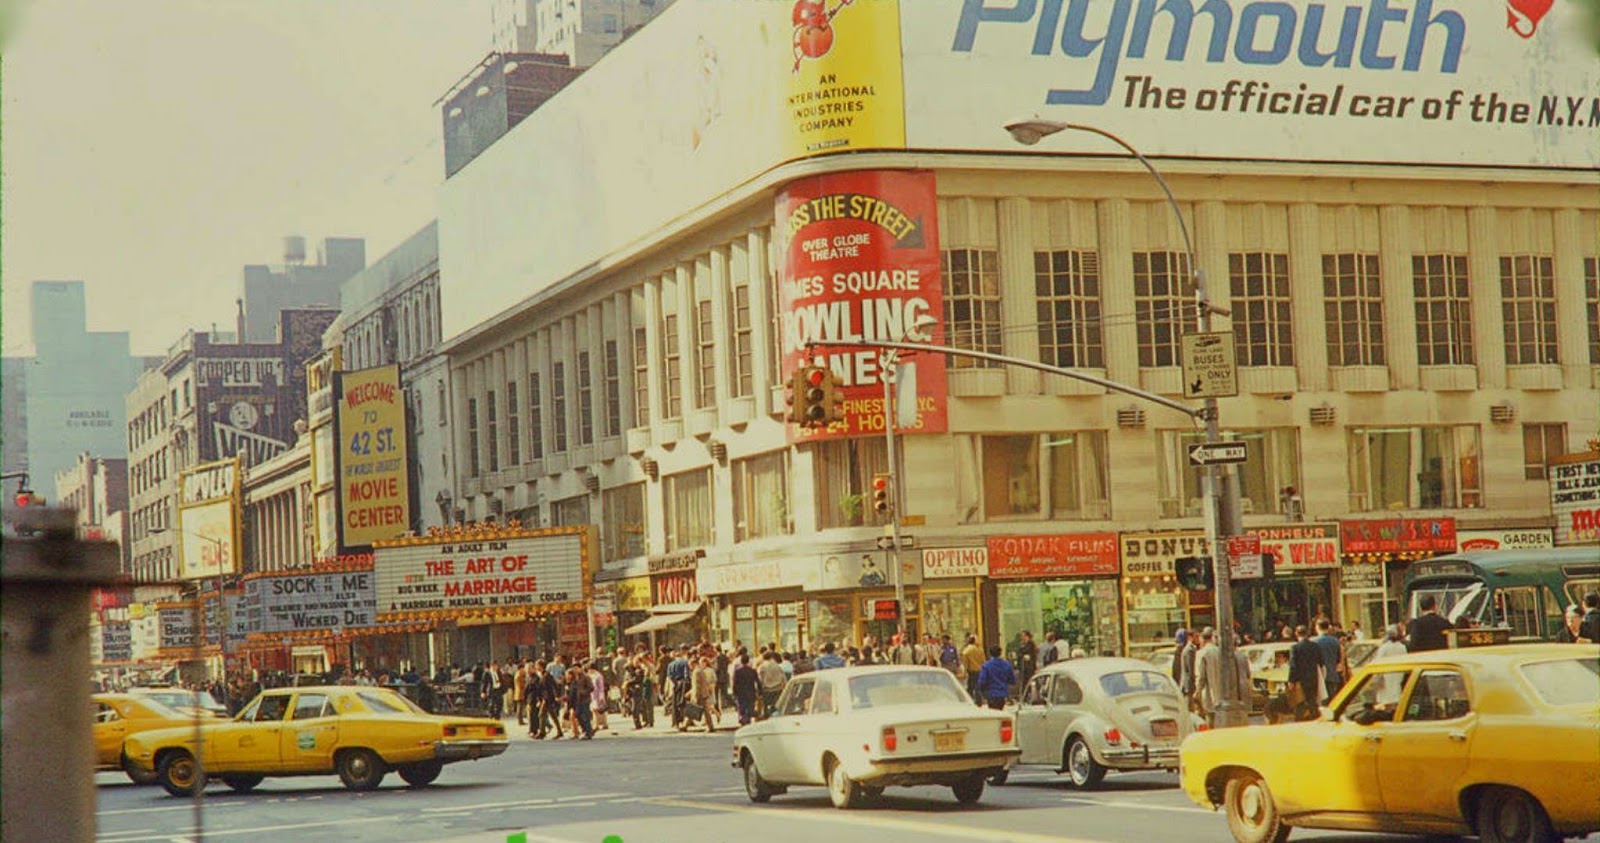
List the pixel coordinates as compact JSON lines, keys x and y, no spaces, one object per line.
{"x":995,"y":679}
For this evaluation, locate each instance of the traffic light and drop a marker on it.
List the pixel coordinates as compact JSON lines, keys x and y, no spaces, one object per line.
{"x":791,"y":395}
{"x":880,"y":494}
{"x":1194,"y":572}
{"x":833,"y":398}
{"x":26,"y":498}
{"x":813,"y":400}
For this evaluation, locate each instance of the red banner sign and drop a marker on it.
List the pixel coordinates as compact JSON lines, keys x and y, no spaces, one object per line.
{"x":861,"y":264}
{"x":1398,"y":535}
{"x":1079,"y":555}
{"x":1300,"y":546}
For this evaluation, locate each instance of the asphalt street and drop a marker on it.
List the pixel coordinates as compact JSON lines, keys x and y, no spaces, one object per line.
{"x":659,"y":787}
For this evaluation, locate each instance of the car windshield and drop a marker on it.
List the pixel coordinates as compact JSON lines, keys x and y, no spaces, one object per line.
{"x":1456,"y":600}
{"x":1565,"y":682}
{"x":908,"y":687}
{"x":1134,"y":682}
{"x":177,"y":698}
{"x":388,"y":702}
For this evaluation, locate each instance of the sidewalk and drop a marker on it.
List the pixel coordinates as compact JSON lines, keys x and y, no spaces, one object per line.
{"x":622,"y":727}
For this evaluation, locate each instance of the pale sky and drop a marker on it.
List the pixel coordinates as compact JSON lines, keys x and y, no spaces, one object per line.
{"x":152,"y":148}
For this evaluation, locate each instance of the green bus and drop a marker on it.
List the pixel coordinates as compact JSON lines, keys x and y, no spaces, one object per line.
{"x":1526,"y":590}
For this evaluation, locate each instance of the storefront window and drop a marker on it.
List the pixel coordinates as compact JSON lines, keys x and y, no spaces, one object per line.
{"x":830,"y":621}
{"x":1084,"y":612}
{"x":1289,"y":600}
{"x":1155,"y":610}
{"x":952,"y":613}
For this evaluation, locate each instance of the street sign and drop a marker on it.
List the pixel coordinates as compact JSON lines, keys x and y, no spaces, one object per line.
{"x":1245,"y":561}
{"x":913,"y":520}
{"x":887,"y":542}
{"x":1221,"y":453}
{"x":1209,"y":367}
{"x":1244,"y":545}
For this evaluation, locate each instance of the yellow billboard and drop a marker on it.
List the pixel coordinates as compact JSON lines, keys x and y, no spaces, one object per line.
{"x":370,"y":432}
{"x":208,"y":520}
{"x":842,"y":63}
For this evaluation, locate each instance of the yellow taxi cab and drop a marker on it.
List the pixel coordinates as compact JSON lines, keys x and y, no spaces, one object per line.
{"x":360,"y":732}
{"x":116,"y":716}
{"x":1502,"y":742}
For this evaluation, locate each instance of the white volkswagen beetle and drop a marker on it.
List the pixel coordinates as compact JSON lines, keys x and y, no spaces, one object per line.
{"x":858,"y":730}
{"x":1087,"y":716}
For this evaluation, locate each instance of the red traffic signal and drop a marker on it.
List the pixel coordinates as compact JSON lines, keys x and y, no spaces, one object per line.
{"x":26,"y":498}
{"x":880,"y":493}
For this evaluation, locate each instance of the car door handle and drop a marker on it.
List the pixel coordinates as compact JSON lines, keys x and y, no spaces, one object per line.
{"x":1375,"y":738}
{"x":1458,"y":736}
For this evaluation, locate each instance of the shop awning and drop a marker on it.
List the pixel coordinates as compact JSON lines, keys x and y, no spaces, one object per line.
{"x":658,"y":621}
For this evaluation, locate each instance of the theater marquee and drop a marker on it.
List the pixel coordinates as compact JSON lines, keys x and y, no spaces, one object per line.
{"x":517,"y":573}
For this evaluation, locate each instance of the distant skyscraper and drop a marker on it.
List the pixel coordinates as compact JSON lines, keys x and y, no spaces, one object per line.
{"x":584,"y":30}
{"x":266,"y":291}
{"x":70,"y":394}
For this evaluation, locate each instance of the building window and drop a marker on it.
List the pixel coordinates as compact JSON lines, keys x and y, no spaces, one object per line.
{"x":613,"y":394}
{"x":535,"y":418}
{"x":1399,"y":468}
{"x":1352,"y":293}
{"x":743,"y":332}
{"x":492,"y":418}
{"x":972,"y":304}
{"x":687,"y":499}
{"x":622,"y":522}
{"x":472,"y":437}
{"x":1020,"y":470}
{"x":1528,"y":306}
{"x":705,"y":357}
{"x":1591,"y":295}
{"x":558,"y":406}
{"x":1079,"y":464}
{"x":672,"y":368}
{"x":585,"y":400}
{"x":1444,"y":310}
{"x":843,"y":479}
{"x":1161,"y":310}
{"x":1268,"y":480}
{"x":513,"y":424}
{"x":761,"y":496}
{"x":1067,"y":284}
{"x":570,"y":512}
{"x":1263,"y":321}
{"x":608,"y":23}
{"x":641,"y":378}
{"x":443,"y":416}
{"x":1540,"y":444}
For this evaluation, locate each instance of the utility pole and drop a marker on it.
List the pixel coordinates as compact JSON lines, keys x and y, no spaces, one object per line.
{"x":887,"y":362}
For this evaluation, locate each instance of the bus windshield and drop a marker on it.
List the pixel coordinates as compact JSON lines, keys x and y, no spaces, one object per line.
{"x":1456,"y":599}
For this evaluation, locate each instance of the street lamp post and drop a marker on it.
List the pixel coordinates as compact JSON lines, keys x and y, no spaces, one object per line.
{"x":1221,"y":494}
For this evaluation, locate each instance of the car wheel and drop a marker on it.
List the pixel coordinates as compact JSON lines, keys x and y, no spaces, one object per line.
{"x":999,"y":778}
{"x":420,"y":774}
{"x":1082,"y":769}
{"x":137,"y":776}
{"x":1252,"y":815}
{"x":1506,"y":815}
{"x":871,"y":795}
{"x":842,"y":789}
{"x":755,"y":786}
{"x":360,"y":769}
{"x":242,"y":782}
{"x":180,"y":775}
{"x":969,"y":789}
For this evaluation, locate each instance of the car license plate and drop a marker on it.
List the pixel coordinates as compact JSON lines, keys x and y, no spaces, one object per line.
{"x":949,"y":742}
{"x":1164,"y":728}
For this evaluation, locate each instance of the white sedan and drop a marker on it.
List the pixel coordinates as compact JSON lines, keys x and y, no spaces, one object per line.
{"x":858,"y":730}
{"x":1084,"y":717}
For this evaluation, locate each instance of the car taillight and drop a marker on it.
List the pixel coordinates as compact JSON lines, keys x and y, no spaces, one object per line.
{"x":1203,"y":727}
{"x":497,"y":730}
{"x":449,"y":731}
{"x":890,"y":740}
{"x":1006,"y":731}
{"x":1113,"y":736}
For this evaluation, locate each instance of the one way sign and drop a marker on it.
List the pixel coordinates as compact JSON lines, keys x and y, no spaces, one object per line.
{"x":1222,"y":453}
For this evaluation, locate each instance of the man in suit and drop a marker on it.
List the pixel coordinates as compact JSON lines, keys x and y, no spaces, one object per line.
{"x":1208,"y":675}
{"x":1305,"y":674}
{"x":1426,"y":631}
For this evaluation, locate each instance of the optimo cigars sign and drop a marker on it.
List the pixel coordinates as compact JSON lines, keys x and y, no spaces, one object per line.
{"x":494,"y":572}
{"x":861,"y":265}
